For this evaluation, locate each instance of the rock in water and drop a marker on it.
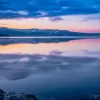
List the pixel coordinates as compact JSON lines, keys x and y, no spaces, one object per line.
{"x":23,"y":96}
{"x":52,"y":99}
{"x":11,"y":96}
{"x":31,"y":97}
{"x":1,"y":94}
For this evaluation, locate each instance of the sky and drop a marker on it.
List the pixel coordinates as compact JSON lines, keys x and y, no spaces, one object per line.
{"x":73,"y":15}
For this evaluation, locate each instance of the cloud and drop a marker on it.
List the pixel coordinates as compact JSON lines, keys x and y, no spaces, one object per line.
{"x":24,"y":59}
{"x":91,"y":52}
{"x":42,"y":59}
{"x":92,"y":17}
{"x":15,"y":12}
{"x":48,"y":8}
{"x":55,"y":19}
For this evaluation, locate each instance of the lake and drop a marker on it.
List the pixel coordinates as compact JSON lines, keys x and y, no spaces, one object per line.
{"x":60,"y":68}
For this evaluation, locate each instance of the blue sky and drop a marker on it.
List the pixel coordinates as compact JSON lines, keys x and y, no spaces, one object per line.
{"x":66,"y":13}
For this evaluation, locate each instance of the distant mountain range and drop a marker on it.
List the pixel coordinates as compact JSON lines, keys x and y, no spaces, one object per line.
{"x":41,"y":32}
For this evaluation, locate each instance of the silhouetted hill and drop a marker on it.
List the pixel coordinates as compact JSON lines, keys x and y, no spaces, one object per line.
{"x":2,"y":33}
{"x":41,"y":32}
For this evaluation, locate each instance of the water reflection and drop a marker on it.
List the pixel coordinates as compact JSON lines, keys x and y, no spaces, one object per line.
{"x":19,"y":67}
{"x":5,"y":41}
{"x":71,"y":48}
{"x":48,"y":70}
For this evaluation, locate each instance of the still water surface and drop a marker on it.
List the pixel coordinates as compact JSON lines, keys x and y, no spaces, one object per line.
{"x":59,"y":68}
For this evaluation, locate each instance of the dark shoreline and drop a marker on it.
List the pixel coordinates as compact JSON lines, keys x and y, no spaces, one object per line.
{"x":13,"y":96}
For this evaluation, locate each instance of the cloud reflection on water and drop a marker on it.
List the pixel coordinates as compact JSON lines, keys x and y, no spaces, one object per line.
{"x":19,"y":61}
{"x":36,"y":64}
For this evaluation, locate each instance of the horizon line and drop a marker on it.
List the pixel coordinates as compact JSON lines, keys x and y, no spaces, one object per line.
{"x":30,"y":37}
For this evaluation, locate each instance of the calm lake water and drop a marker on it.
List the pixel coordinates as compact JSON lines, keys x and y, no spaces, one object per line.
{"x":61,"y":68}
